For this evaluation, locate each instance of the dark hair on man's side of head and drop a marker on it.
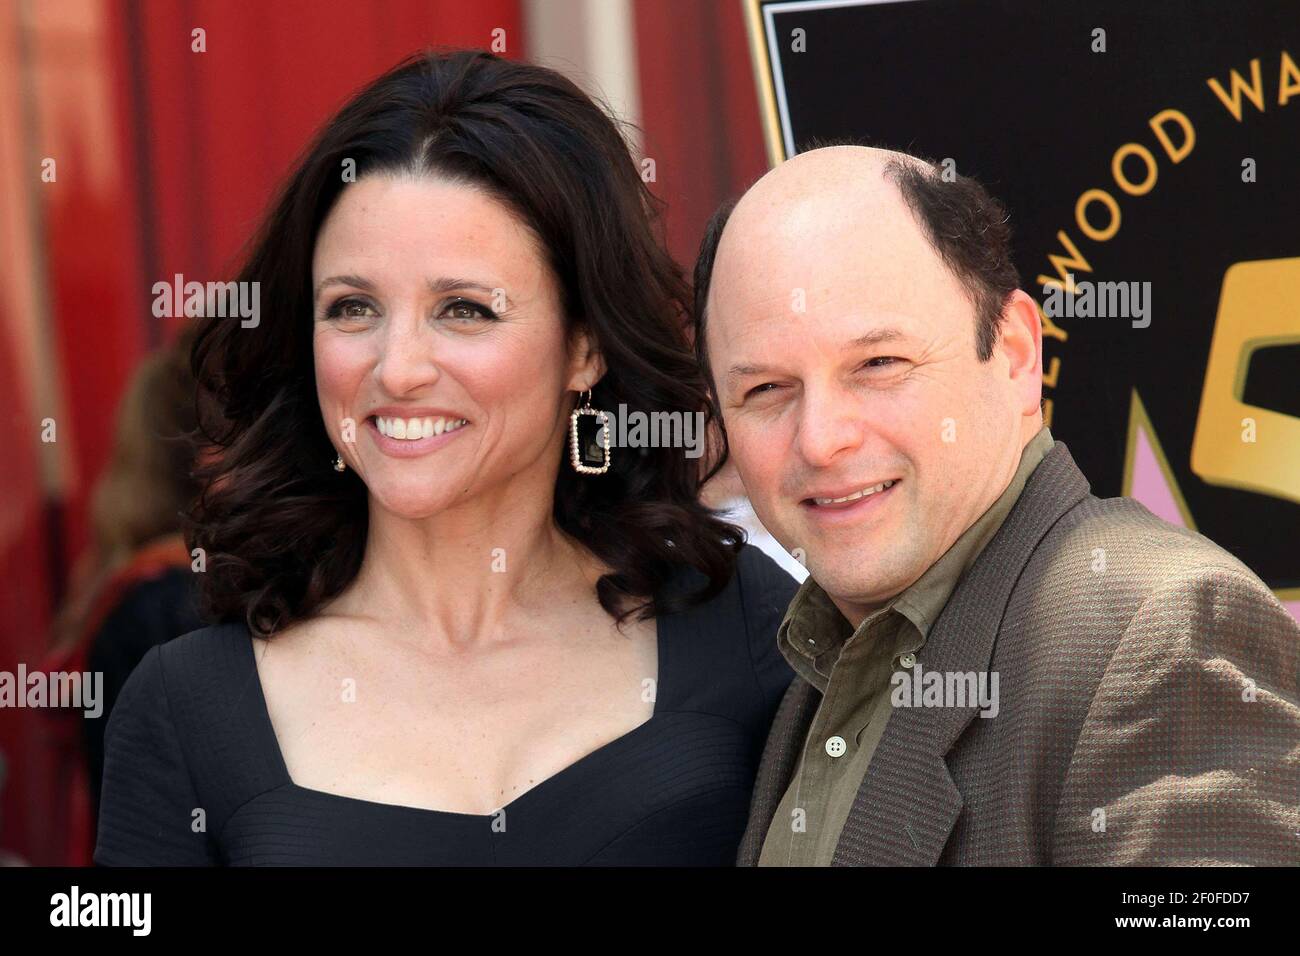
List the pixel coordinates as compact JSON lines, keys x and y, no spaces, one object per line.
{"x":971,"y":232}
{"x":700,"y":290}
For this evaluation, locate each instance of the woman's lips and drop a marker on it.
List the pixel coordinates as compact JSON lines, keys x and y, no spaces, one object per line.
{"x":411,"y":448}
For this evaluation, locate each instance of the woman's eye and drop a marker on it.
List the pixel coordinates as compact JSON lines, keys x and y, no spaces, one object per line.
{"x":466,"y":310}
{"x":348,"y":309}
{"x":760,"y":389}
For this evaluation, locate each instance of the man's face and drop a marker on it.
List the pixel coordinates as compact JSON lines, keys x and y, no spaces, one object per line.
{"x":867,"y":432}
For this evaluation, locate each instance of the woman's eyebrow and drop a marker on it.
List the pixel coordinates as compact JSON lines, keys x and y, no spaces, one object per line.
{"x":437,"y":286}
{"x":357,"y":281}
{"x":447,"y":284}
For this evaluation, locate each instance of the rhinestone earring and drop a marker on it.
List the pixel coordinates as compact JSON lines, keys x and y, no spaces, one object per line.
{"x":338,"y":463}
{"x":578,"y":458}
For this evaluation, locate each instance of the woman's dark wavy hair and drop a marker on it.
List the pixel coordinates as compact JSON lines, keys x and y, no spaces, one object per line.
{"x":282,"y":531}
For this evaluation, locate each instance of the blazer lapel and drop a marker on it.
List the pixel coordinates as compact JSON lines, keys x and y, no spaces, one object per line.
{"x":780,"y":757}
{"x":907,"y":803}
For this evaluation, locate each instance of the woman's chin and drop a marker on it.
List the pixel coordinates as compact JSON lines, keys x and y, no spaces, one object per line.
{"x":411,"y":504}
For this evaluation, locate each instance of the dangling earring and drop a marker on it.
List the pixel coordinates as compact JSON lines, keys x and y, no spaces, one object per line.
{"x":338,"y":463}
{"x":577,"y":458}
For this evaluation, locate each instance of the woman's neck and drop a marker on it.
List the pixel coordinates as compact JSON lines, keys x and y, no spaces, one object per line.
{"x":464,"y":574}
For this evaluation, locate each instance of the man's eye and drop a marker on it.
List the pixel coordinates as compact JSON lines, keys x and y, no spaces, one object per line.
{"x":759,"y":389}
{"x":467,"y":310}
{"x":880,"y":361}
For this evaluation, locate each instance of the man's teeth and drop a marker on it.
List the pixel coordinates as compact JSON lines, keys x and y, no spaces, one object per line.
{"x":413,"y":429}
{"x":856,"y":495}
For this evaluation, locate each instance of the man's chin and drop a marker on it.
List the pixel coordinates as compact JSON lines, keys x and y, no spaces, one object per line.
{"x":848,"y":578}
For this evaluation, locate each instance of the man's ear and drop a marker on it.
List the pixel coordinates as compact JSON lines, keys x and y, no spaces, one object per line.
{"x":1020,"y":340}
{"x":586,"y":362}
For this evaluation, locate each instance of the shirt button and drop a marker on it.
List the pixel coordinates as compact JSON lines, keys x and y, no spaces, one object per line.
{"x":835,"y":746}
{"x":907,"y":661}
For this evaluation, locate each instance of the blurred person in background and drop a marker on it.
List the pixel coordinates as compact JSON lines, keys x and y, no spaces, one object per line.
{"x":133,"y":587}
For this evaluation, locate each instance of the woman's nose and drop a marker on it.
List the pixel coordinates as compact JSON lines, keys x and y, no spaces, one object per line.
{"x":407,"y":358}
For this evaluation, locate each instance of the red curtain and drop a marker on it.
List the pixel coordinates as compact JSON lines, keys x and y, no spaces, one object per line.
{"x":699,"y":111}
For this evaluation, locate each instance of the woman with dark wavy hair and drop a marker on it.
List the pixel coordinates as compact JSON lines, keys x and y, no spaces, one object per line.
{"x":454,"y":626}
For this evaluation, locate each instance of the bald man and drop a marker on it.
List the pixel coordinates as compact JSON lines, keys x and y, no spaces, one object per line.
{"x":995,"y":666}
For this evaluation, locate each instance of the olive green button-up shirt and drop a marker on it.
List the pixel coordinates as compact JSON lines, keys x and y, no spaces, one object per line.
{"x":852,"y":669}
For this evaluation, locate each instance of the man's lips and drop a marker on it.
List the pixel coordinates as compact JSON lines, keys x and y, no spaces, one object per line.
{"x":843,"y":498}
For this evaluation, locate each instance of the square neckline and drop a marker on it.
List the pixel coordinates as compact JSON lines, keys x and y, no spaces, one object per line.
{"x":263,"y":715}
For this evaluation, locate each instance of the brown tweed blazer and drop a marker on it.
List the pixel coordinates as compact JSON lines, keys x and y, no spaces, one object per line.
{"x":1148,"y":707}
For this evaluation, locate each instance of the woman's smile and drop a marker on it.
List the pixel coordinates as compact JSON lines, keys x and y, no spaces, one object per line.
{"x":414,"y":436}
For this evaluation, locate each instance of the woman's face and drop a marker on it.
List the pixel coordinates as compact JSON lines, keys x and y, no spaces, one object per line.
{"x":436,"y":315}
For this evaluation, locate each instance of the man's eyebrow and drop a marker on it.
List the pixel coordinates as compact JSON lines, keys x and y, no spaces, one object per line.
{"x":737,"y":371}
{"x":436,"y":286}
{"x":878,"y":336}
{"x":874,"y":337}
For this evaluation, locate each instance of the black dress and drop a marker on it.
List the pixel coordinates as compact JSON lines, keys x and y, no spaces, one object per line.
{"x":151,"y":612}
{"x":194,"y":775}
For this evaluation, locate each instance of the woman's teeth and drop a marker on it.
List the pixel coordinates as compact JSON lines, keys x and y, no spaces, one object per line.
{"x":413,"y":429}
{"x":856,"y":495}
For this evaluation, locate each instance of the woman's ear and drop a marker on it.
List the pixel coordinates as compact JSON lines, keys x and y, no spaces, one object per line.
{"x":586,"y":363}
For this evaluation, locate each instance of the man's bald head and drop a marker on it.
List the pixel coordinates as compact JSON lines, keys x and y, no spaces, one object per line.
{"x":822,"y":194}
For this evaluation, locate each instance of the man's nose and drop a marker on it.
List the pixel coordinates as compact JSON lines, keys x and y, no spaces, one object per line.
{"x":408,"y":355}
{"x":828,"y":426}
